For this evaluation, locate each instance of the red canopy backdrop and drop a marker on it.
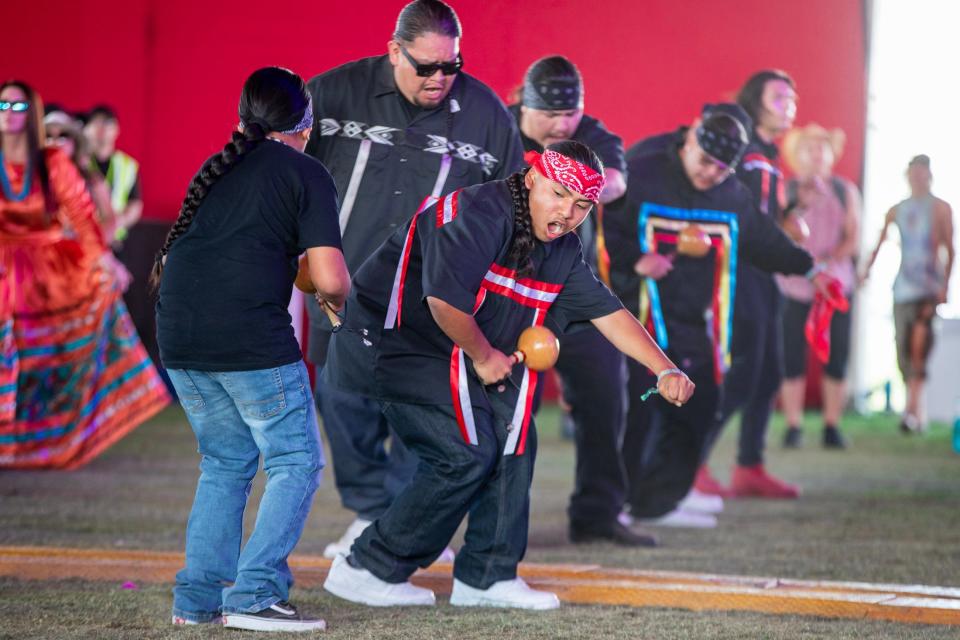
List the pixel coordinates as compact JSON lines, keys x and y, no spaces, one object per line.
{"x":173,"y":68}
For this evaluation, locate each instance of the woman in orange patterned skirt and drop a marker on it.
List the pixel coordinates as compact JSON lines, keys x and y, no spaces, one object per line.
{"x":74,"y":377}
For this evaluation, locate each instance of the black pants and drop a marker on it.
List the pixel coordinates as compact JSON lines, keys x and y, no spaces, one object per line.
{"x":794,"y":317}
{"x":756,"y":370}
{"x":594,"y":385}
{"x":453,"y":479}
{"x":368,"y":475}
{"x":664,"y":444}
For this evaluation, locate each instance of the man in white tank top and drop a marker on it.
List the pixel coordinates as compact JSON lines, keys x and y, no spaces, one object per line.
{"x":925,"y":223}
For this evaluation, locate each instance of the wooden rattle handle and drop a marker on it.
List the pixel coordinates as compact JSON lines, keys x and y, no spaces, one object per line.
{"x":331,"y":314}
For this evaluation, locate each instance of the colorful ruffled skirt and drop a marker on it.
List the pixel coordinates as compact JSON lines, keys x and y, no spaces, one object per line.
{"x":74,"y":376}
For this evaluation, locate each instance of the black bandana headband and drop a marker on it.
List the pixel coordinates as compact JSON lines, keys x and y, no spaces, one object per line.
{"x":725,"y":148}
{"x":558,"y":94}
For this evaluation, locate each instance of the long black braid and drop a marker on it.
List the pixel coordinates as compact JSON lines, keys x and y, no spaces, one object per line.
{"x":212,"y":170}
{"x":523,"y":242}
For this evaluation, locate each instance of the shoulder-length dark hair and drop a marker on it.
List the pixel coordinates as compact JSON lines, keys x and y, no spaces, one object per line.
{"x":750,"y":96}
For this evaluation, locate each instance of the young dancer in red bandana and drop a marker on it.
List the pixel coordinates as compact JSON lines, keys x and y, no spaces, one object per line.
{"x":434,"y":313}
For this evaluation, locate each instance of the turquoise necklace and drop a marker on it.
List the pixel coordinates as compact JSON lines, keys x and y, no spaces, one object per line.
{"x":5,"y":182}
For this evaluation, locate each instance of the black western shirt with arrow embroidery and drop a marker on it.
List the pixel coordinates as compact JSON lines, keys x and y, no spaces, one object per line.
{"x":386,"y":164}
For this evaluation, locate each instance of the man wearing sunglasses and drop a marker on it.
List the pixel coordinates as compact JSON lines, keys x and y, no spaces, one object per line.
{"x":397,"y":132}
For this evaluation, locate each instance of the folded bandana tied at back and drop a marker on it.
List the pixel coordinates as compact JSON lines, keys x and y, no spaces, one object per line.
{"x":572,"y":174}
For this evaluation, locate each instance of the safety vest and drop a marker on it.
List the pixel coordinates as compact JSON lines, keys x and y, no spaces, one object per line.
{"x":121,"y":176}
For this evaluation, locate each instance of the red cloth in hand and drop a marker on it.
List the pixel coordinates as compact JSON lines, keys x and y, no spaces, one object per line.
{"x":817,"y":327}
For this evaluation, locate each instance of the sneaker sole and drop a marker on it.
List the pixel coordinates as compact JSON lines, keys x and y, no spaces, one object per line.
{"x":760,"y":494}
{"x":348,"y":593}
{"x":500,"y":604}
{"x":183,"y":622}
{"x":254,"y":623}
{"x":704,"y":524}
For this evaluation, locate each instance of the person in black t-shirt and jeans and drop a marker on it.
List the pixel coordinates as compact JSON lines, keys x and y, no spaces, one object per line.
{"x":225,"y":275}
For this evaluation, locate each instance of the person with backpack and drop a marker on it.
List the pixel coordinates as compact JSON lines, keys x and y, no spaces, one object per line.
{"x":830,"y":207}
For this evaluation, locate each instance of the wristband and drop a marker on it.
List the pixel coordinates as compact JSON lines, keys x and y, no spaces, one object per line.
{"x":817,"y":268}
{"x":667,"y":372}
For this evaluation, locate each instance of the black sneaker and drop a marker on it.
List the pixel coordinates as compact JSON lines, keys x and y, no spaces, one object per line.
{"x":614,"y":532}
{"x":793,"y":438}
{"x":281,"y":616}
{"x":832,"y":439}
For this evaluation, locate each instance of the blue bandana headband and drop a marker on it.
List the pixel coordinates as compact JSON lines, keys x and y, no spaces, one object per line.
{"x":307,"y":121}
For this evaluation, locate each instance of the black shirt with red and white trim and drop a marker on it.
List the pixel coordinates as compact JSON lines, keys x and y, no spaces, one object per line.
{"x":456,"y":251}
{"x":759,"y":171}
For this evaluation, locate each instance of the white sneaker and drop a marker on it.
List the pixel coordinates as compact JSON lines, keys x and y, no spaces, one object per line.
{"x":683,"y":519}
{"x":625,"y":519}
{"x":506,"y":593}
{"x":342,"y":546}
{"x":361,"y":586}
{"x":700,"y":502}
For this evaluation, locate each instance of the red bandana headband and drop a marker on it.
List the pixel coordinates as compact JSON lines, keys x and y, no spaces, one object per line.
{"x":574,"y":175}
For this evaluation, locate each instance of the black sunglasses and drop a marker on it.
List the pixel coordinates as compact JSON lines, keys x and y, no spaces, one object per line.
{"x":427,"y":70}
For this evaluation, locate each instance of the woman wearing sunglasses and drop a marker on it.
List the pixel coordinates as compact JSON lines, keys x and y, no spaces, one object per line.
{"x":74,"y":377}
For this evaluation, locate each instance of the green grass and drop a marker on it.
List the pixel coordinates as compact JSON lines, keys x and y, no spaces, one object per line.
{"x":887,"y":510}
{"x":76,"y":609}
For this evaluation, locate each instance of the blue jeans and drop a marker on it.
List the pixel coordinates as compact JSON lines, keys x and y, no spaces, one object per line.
{"x":238,"y":416}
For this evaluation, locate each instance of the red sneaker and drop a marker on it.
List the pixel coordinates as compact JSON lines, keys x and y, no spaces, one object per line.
{"x":704,"y":482}
{"x":755,"y":482}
